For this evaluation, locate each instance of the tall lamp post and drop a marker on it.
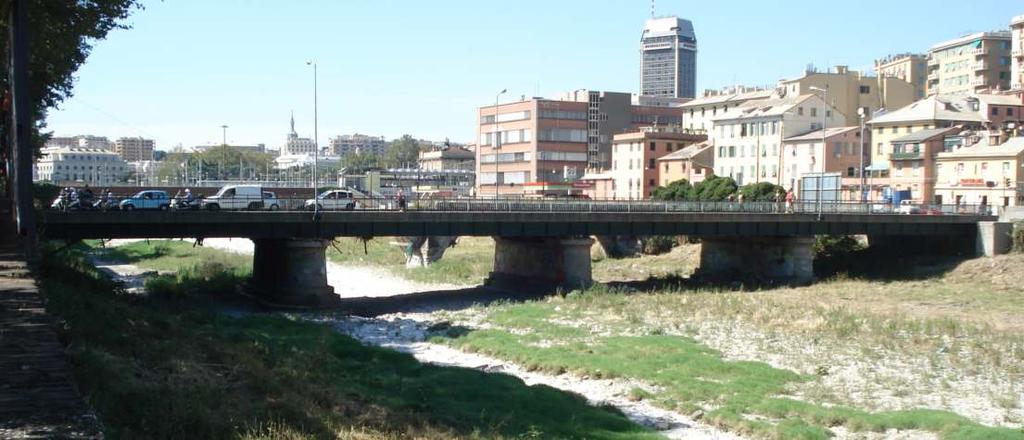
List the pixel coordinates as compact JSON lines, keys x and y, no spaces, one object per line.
{"x":223,"y":151}
{"x":862,"y":113}
{"x":824,"y":145}
{"x":316,"y":139}
{"x":496,"y":141}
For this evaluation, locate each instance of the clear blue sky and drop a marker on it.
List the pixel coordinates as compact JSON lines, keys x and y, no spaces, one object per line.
{"x":390,"y":67}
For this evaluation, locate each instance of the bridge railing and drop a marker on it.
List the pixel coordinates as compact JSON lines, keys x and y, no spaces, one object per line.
{"x":465,"y":204}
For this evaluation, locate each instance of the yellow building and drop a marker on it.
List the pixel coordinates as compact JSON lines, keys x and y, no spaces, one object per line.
{"x":970,"y":64}
{"x":982,"y":173}
{"x":909,"y":67}
{"x":850,"y":90}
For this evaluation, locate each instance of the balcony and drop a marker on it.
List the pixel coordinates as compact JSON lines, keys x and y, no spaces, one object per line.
{"x":979,"y":52}
{"x":906,"y":156}
{"x":1018,"y":53}
{"x":933,"y":62}
{"x":933,"y":76}
{"x":981,"y":65}
{"x":979,"y":82}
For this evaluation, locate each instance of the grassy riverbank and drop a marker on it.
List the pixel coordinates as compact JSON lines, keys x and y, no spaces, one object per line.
{"x":165,"y":366}
{"x":941,"y":355}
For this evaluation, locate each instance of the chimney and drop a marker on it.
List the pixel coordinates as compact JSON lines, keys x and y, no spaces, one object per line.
{"x":996,"y":137}
{"x":842,"y":69}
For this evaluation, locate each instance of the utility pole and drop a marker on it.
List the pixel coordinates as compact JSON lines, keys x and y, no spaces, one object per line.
{"x":496,"y":142}
{"x":824,"y":144}
{"x":316,"y":140}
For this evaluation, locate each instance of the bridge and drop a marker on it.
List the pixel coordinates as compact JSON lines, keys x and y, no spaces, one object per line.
{"x":541,"y":241}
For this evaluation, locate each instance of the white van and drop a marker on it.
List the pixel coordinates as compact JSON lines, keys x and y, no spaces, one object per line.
{"x":236,"y":197}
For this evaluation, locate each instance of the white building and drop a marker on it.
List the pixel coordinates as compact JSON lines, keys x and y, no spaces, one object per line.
{"x":289,"y":161}
{"x":76,"y":166}
{"x":1017,"y":53}
{"x":748,"y":138}
{"x":80,"y":141}
{"x":296,"y":145}
{"x":698,"y":113}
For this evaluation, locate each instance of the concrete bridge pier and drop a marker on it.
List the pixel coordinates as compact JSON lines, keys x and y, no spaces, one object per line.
{"x":786,"y":259}
{"x":424,"y":251}
{"x":291,"y":273}
{"x":541,"y":263}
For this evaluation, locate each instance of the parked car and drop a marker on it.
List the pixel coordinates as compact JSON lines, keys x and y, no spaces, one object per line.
{"x":234,"y":197}
{"x":332,"y":200}
{"x":147,"y":199}
{"x":270,"y":201}
{"x":908,"y":207}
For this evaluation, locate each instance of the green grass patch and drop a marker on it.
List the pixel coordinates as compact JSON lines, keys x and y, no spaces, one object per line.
{"x":469,"y":262}
{"x":558,"y":335}
{"x":159,"y":368}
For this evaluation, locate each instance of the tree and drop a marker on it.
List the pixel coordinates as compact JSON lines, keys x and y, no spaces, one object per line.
{"x":402,"y":153}
{"x":761,"y":192}
{"x":61,"y":34}
{"x":714,"y":188}
{"x":678,"y":190}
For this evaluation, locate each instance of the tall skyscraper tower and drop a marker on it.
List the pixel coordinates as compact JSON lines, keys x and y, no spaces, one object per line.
{"x":668,"y":58}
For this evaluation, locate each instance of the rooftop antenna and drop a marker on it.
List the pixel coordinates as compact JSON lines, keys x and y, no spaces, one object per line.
{"x":652,"y":8}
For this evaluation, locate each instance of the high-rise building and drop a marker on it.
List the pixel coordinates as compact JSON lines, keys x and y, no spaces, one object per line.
{"x":358,"y":143}
{"x":668,"y":58}
{"x":134,"y":149}
{"x":545,"y":145}
{"x":295,"y":145}
{"x":910,"y":67}
{"x":971,"y":64}
{"x":1017,"y":53}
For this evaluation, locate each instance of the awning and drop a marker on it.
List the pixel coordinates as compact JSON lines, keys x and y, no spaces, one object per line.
{"x":881,"y":166}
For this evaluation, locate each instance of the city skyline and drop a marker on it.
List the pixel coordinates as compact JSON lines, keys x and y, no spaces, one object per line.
{"x":424,"y":70}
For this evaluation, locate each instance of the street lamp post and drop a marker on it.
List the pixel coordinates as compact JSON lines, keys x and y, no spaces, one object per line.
{"x":862,"y":113}
{"x":316,"y":139}
{"x":496,"y":141}
{"x":824,"y":145}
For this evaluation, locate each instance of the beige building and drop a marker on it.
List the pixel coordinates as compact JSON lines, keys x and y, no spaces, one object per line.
{"x":452,"y":158}
{"x":693,"y":164}
{"x":984,"y":172}
{"x":850,"y":90}
{"x":748,"y":139}
{"x":909,"y":67}
{"x":1017,"y":53}
{"x":635,"y":157}
{"x":134,"y":149}
{"x":974,"y":63}
{"x":805,"y":154}
{"x":936,"y":111}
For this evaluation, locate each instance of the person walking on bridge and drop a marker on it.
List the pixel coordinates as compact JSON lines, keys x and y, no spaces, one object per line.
{"x":789,"y":201}
{"x":400,"y":197}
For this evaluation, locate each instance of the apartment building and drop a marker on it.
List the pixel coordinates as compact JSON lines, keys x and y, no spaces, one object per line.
{"x":77,"y":166}
{"x":698,"y":113}
{"x":357,"y":143}
{"x":838,"y":154}
{"x":748,"y":139}
{"x":635,"y":170}
{"x":850,"y":90}
{"x":541,"y":146}
{"x":970,"y":64}
{"x":909,"y":67}
{"x":989,"y":170}
{"x":1017,"y":53}
{"x":134,"y":149}
{"x":913,"y":160}
{"x":935,"y":111}
{"x":693,"y":164}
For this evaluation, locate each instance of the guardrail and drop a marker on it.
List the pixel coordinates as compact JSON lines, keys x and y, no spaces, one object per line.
{"x":561,"y":205}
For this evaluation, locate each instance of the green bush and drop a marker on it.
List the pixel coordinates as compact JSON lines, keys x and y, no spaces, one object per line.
{"x":1018,"y":237}
{"x":678,"y":190}
{"x":657,"y":244}
{"x":761,"y":192}
{"x":833,"y":246}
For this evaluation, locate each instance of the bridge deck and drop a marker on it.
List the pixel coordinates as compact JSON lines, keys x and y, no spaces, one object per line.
{"x":292,"y":224}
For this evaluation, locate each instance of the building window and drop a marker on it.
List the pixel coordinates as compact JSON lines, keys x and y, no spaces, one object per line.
{"x":653,"y":146}
{"x":800,"y":111}
{"x":864,"y":90}
{"x":895,"y":129}
{"x":850,"y":171}
{"x":814,"y":111}
{"x":995,"y":111}
{"x":650,"y":164}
